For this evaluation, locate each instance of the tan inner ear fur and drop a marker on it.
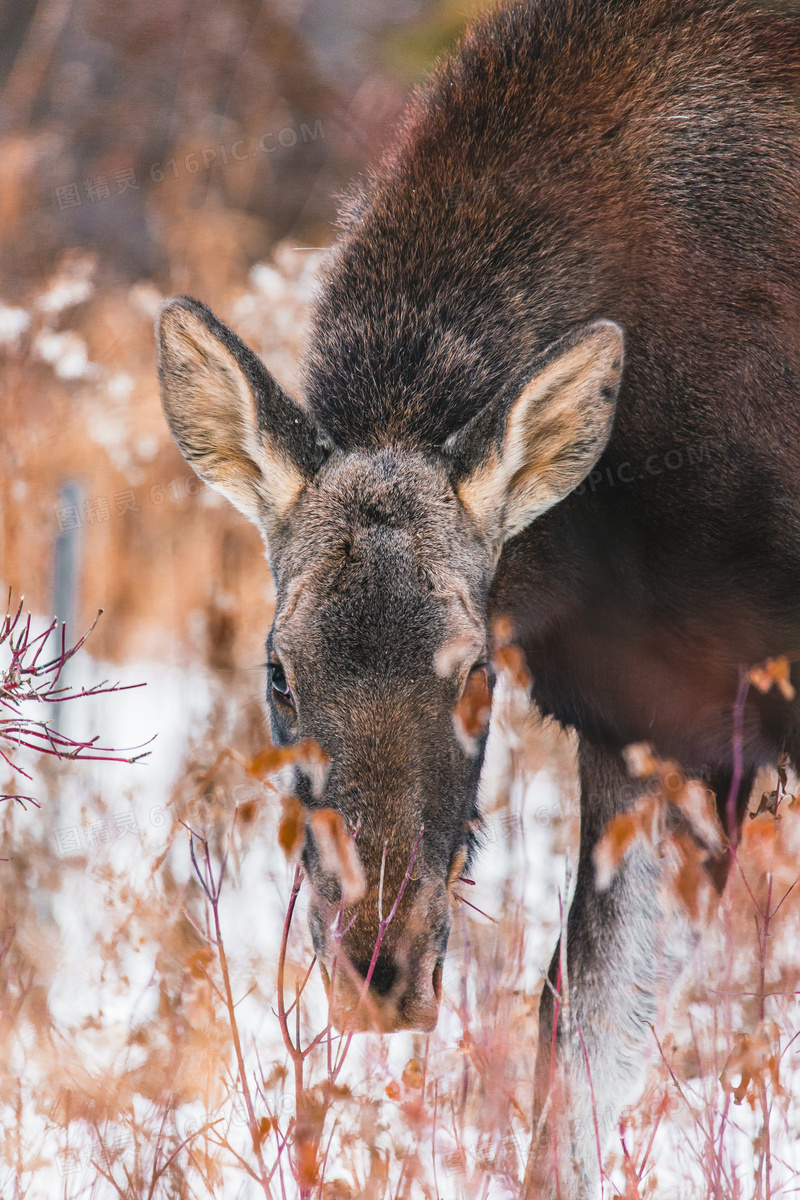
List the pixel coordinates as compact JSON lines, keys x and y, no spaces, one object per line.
{"x":211,"y":411}
{"x":555,"y":432}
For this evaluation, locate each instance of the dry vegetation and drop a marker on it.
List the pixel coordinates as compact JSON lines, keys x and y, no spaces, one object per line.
{"x":163,"y":1032}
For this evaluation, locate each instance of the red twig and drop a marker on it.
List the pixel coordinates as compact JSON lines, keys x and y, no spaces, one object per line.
{"x":27,"y":680}
{"x":382,"y":927}
{"x":469,"y":904}
{"x":736,"y":778}
{"x":212,"y":888}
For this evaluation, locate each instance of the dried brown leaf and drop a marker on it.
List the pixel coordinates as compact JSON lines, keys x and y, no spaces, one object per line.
{"x":773,"y":671}
{"x":338,"y":852}
{"x":698,"y":804}
{"x":292,"y":827}
{"x":270,"y":760}
{"x":619,"y":836}
{"x":412,"y":1074}
{"x":641,"y":760}
{"x":511,"y":660}
{"x":472,"y":712}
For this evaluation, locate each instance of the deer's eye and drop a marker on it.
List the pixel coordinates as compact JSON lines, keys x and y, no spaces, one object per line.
{"x":279,"y":684}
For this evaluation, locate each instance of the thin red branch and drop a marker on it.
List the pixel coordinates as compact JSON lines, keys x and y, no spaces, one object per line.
{"x":212,"y":888}
{"x":27,"y":680}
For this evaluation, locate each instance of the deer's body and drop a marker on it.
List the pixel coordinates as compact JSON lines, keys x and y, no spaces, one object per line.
{"x":639,"y":162}
{"x":580,"y":177}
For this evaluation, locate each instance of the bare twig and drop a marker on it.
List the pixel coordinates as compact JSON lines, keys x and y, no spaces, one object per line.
{"x":212,"y":888}
{"x":27,"y":680}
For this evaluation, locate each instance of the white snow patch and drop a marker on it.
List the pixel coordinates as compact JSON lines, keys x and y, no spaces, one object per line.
{"x":13,"y":323}
{"x":66,"y":353}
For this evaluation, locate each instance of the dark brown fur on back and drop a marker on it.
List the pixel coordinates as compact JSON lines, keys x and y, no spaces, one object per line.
{"x":638,"y":162}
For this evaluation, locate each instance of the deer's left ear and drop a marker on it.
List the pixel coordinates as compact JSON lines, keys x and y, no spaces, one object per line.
{"x":233,"y":423}
{"x":514,"y":460}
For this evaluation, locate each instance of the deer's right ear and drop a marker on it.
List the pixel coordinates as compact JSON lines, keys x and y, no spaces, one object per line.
{"x":231,"y":420}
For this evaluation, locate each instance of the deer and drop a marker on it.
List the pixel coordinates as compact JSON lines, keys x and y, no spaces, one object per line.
{"x":552,"y":379}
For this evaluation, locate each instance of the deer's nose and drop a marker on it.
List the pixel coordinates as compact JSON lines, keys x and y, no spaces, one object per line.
{"x":400,"y":995}
{"x":384,"y":974}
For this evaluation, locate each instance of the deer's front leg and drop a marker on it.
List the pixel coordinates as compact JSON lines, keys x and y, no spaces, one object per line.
{"x":624,"y":951}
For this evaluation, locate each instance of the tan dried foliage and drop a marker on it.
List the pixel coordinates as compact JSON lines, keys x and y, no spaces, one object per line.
{"x":337,"y":850}
{"x":271,"y":760}
{"x":773,"y":672}
{"x":771,"y":800}
{"x":754,"y":1059}
{"x":683,"y":851}
{"x":473,"y":709}
{"x":292,"y":827}
{"x":643,"y":821}
{"x":511,"y":660}
{"x":413,"y":1076}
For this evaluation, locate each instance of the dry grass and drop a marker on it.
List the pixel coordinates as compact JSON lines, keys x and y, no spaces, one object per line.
{"x":174,"y":1042}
